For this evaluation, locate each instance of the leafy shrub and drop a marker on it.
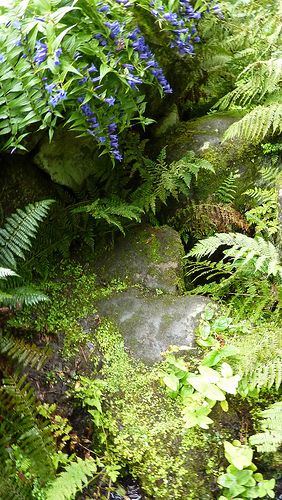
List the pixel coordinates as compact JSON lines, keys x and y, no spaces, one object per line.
{"x":84,"y":62}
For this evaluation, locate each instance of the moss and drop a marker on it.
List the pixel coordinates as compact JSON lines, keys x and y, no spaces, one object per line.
{"x":146,"y":428}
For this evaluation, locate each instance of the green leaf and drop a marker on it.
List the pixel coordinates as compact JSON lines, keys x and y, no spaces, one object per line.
{"x":208,"y":390}
{"x":239,"y":456}
{"x":171,"y":381}
{"x":214,"y":357}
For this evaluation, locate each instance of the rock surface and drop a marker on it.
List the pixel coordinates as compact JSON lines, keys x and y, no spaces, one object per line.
{"x":69,"y":160}
{"x":198,"y":135}
{"x":150,"y":324}
{"x":149,"y":256}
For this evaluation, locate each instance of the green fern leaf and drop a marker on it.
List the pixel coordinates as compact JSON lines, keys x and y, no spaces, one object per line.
{"x":72,"y":480}
{"x":271,"y":423}
{"x":20,"y":228}
{"x":254,"y":126}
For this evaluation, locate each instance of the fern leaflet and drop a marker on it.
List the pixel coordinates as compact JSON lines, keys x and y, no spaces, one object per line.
{"x":271,"y":424}
{"x":72,"y":480}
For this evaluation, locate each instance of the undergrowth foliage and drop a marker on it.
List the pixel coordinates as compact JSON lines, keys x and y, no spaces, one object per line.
{"x":84,"y":62}
{"x":15,"y":241}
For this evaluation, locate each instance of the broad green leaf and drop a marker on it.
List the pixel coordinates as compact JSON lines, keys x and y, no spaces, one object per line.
{"x":209,"y":374}
{"x":214,"y":357}
{"x":239,"y":456}
{"x":171,"y":381}
{"x":209,"y":390}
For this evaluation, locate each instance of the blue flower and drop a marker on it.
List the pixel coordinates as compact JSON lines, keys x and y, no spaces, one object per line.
{"x":50,"y":87}
{"x":2,"y":58}
{"x":83,"y":80}
{"x":115,"y":28}
{"x":17,"y":24}
{"x":110,"y":100}
{"x":104,"y":8}
{"x":18,"y":43}
{"x":58,"y":97}
{"x":92,"y":68}
{"x":40,"y":53}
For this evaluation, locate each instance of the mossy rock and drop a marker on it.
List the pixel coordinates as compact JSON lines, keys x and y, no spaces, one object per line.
{"x":149,"y":256}
{"x":70,"y":160}
{"x":23,"y":183}
{"x":151,"y":323}
{"x":146,"y":429}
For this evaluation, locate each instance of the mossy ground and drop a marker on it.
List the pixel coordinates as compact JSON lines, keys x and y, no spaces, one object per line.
{"x":144,"y":429}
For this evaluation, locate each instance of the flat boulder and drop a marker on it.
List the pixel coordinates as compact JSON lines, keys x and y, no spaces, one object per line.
{"x":149,"y":256}
{"x":151,"y":323}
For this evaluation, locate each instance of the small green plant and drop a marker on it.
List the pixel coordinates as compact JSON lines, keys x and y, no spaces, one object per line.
{"x":15,"y":241}
{"x":199,"y":391}
{"x":270,"y":437}
{"x":241,"y":480}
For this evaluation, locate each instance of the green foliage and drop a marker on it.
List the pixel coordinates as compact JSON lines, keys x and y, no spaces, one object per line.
{"x":161,"y":180}
{"x":73,"y":479}
{"x":15,"y":240}
{"x":240,"y":480}
{"x":227,"y":190}
{"x":264,"y":215}
{"x":270,"y":437}
{"x":78,"y":62}
{"x":256,"y":252}
{"x":258,"y":123}
{"x":113,"y":211}
{"x":200,"y":391}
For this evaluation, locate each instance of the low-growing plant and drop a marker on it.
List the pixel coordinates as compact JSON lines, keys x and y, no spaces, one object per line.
{"x":241,"y":479}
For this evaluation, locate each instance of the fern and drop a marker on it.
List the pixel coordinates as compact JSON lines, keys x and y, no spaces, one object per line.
{"x":260,"y":122}
{"x":260,"y":360}
{"x":227,"y":190}
{"x":271,"y":424}
{"x":161,"y":180}
{"x":112,"y":210}
{"x":254,"y":83}
{"x":20,"y":353}
{"x":15,"y":239}
{"x":20,"y":228}
{"x":72,"y":480}
{"x":19,"y":425}
{"x":243,"y":251}
{"x":264,"y":215}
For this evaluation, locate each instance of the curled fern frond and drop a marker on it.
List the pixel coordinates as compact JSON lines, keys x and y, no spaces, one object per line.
{"x":270,"y":438}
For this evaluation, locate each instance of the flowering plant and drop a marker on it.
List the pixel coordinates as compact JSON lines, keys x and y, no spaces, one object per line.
{"x":85,"y":61}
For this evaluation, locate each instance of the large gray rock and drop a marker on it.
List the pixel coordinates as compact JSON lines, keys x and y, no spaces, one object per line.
{"x":149,"y":256}
{"x":150,"y":324}
{"x":199,"y":134}
{"x":68,"y":159}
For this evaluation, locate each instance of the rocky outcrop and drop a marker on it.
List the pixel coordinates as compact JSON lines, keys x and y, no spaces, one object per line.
{"x":150,"y":323}
{"x":149,"y":256}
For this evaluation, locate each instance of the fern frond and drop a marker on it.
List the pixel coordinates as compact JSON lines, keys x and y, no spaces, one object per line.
{"x":227,"y":190}
{"x":21,"y":353}
{"x":254,"y":126}
{"x":25,"y":295}
{"x":112,"y":210}
{"x":19,"y":425}
{"x":20,"y":228}
{"x":271,"y":424}
{"x":256,"y":81}
{"x":260,"y":360}
{"x":73,"y":479}
{"x":262,"y":254}
{"x":162,"y":180}
{"x":4,"y":272}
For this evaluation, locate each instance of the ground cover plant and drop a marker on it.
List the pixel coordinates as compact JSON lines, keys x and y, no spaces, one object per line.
{"x":79,"y":417}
